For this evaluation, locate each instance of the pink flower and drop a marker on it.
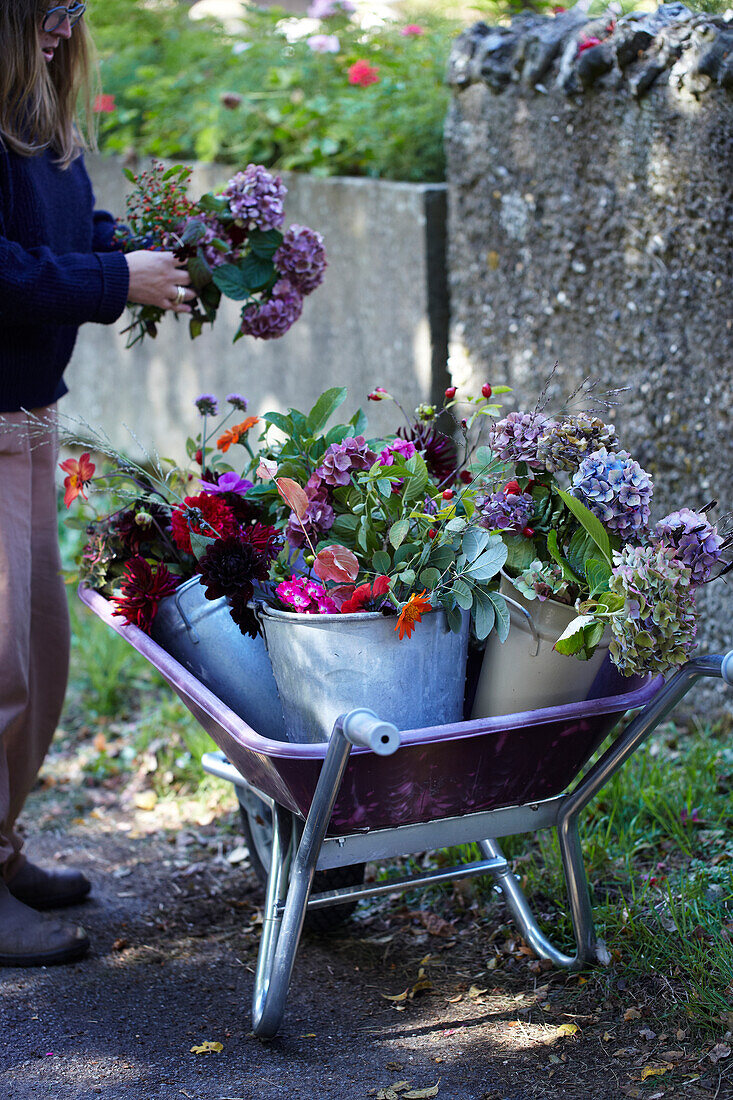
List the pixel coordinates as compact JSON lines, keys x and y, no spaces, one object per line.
{"x":412,"y":29}
{"x":323,"y":43}
{"x":402,"y":447}
{"x":363,"y":74}
{"x":104,"y":104}
{"x":588,"y":43}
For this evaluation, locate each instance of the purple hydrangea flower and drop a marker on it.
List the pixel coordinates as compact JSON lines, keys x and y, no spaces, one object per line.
{"x":273,"y":318}
{"x":238,"y":401}
{"x":504,"y":511}
{"x":207,"y":404}
{"x":514,"y":439}
{"x":301,"y":258}
{"x":697,"y":541}
{"x":322,"y":9}
{"x":228,"y":483}
{"x":616,"y":489}
{"x":341,"y":458}
{"x":323,"y":43}
{"x":255,"y":197}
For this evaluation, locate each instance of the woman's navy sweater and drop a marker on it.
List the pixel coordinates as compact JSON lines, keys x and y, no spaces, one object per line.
{"x":56,"y":272}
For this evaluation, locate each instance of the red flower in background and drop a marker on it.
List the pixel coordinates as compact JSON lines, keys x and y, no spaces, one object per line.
{"x":412,"y":29}
{"x":363,"y":74}
{"x":201,"y":515}
{"x":142,"y":590}
{"x":80,"y":472}
{"x":104,"y":104}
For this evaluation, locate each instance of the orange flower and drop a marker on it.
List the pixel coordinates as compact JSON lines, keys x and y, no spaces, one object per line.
{"x":412,"y":613}
{"x":80,"y":474}
{"x":235,"y":433}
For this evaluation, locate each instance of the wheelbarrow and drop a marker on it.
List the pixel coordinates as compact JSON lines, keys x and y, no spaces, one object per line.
{"x":314,"y":814}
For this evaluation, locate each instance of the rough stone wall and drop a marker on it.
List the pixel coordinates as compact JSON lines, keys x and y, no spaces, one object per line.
{"x":590,"y":173}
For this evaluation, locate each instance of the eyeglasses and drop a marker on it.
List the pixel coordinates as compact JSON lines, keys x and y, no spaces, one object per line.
{"x":54,"y":17}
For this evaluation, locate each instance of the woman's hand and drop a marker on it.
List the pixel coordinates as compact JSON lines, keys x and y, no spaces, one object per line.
{"x":159,"y":279}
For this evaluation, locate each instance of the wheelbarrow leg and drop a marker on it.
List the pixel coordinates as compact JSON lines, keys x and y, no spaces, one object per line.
{"x":291,"y":877}
{"x":521,"y":913}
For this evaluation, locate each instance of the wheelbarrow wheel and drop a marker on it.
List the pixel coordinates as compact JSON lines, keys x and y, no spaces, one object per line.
{"x":257,"y":828}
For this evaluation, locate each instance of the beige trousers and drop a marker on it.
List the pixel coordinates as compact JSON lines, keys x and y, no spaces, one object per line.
{"x":34,"y":618}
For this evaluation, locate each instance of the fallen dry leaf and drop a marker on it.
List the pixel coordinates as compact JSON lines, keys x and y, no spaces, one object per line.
{"x":422,"y":1094}
{"x":475,"y":992}
{"x":567,"y":1029}
{"x":655,"y":1071}
{"x":632,"y":1014}
{"x":146,"y":800}
{"x":720,"y":1050}
{"x":207,"y":1047}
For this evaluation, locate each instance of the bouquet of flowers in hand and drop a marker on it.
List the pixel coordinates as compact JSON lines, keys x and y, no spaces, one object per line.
{"x":573,"y":510}
{"x":233,"y":245}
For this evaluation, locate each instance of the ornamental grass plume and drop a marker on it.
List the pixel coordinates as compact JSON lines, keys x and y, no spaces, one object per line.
{"x":655,"y":629}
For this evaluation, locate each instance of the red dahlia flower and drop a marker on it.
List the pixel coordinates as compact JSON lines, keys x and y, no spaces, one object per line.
{"x":142,"y":590}
{"x":201,"y":515}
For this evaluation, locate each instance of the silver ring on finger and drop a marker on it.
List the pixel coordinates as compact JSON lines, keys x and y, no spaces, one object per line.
{"x":180,"y":295}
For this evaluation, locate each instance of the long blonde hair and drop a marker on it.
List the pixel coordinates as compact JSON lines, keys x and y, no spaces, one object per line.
{"x":38,"y":99}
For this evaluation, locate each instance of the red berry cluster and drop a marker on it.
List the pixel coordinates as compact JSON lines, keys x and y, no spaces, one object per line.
{"x":158,"y":205}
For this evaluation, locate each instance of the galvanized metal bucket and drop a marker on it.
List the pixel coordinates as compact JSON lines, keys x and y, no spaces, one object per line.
{"x":204,"y":638}
{"x":326,"y":665}
{"x":525,"y":672}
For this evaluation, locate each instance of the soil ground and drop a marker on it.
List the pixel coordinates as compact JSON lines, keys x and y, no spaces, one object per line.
{"x":174,"y":919}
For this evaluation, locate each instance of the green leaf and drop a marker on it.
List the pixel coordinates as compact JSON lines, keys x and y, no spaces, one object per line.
{"x":279,"y":420}
{"x":359,"y":422}
{"x":256,"y":272}
{"x":611,"y":601}
{"x":384,"y":487}
{"x":441,"y":557}
{"x":194,"y":232}
{"x":381,"y":562}
{"x":418,"y":482}
{"x":503,"y":622}
{"x":484,"y":615}
{"x":398,"y":532}
{"x":344,"y":528}
{"x":200,"y":544}
{"x":554,"y":551}
{"x":231,"y":282}
{"x":408,"y":577}
{"x":456,"y":524}
{"x":489,"y":562}
{"x":580,"y":637}
{"x":581,"y":549}
{"x":195,"y":327}
{"x":324,"y":409}
{"x":199,"y":271}
{"x":462,"y":593}
{"x":474,"y":541}
{"x":429,"y":577}
{"x":454,"y":617}
{"x":405,"y":552}
{"x":598,"y":574}
{"x":265,"y":242}
{"x":589,"y":522}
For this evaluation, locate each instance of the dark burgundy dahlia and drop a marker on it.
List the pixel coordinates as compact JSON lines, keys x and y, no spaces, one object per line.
{"x":438,"y":450}
{"x":229,"y":567}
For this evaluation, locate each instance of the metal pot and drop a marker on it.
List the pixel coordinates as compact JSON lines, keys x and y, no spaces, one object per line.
{"x":203,"y":637}
{"x":525,"y":672}
{"x":326,"y":665}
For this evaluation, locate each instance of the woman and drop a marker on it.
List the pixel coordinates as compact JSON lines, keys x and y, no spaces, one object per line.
{"x":57,"y":271}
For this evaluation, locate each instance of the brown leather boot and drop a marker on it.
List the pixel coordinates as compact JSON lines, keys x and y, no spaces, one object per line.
{"x":29,"y":939}
{"x":46,"y":889}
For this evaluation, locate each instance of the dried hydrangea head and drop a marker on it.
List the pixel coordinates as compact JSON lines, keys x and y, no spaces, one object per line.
{"x":655,"y":629}
{"x":616,"y":489}
{"x":695,"y":539}
{"x":514,"y":439}
{"x":564,"y":445}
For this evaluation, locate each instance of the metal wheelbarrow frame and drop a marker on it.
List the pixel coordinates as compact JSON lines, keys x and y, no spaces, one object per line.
{"x":338,"y":803}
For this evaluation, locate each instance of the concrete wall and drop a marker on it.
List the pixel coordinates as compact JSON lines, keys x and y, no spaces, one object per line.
{"x":379,"y":318}
{"x":591,"y":222}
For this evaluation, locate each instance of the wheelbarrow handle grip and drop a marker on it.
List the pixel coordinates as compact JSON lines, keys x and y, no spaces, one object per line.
{"x":726,"y":668}
{"x":363,"y":727}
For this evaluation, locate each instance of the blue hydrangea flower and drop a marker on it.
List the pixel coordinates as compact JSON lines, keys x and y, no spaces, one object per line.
{"x":616,"y":489}
{"x":696,"y":541}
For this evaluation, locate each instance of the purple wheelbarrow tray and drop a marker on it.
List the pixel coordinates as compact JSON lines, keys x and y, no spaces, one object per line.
{"x":338,"y":804}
